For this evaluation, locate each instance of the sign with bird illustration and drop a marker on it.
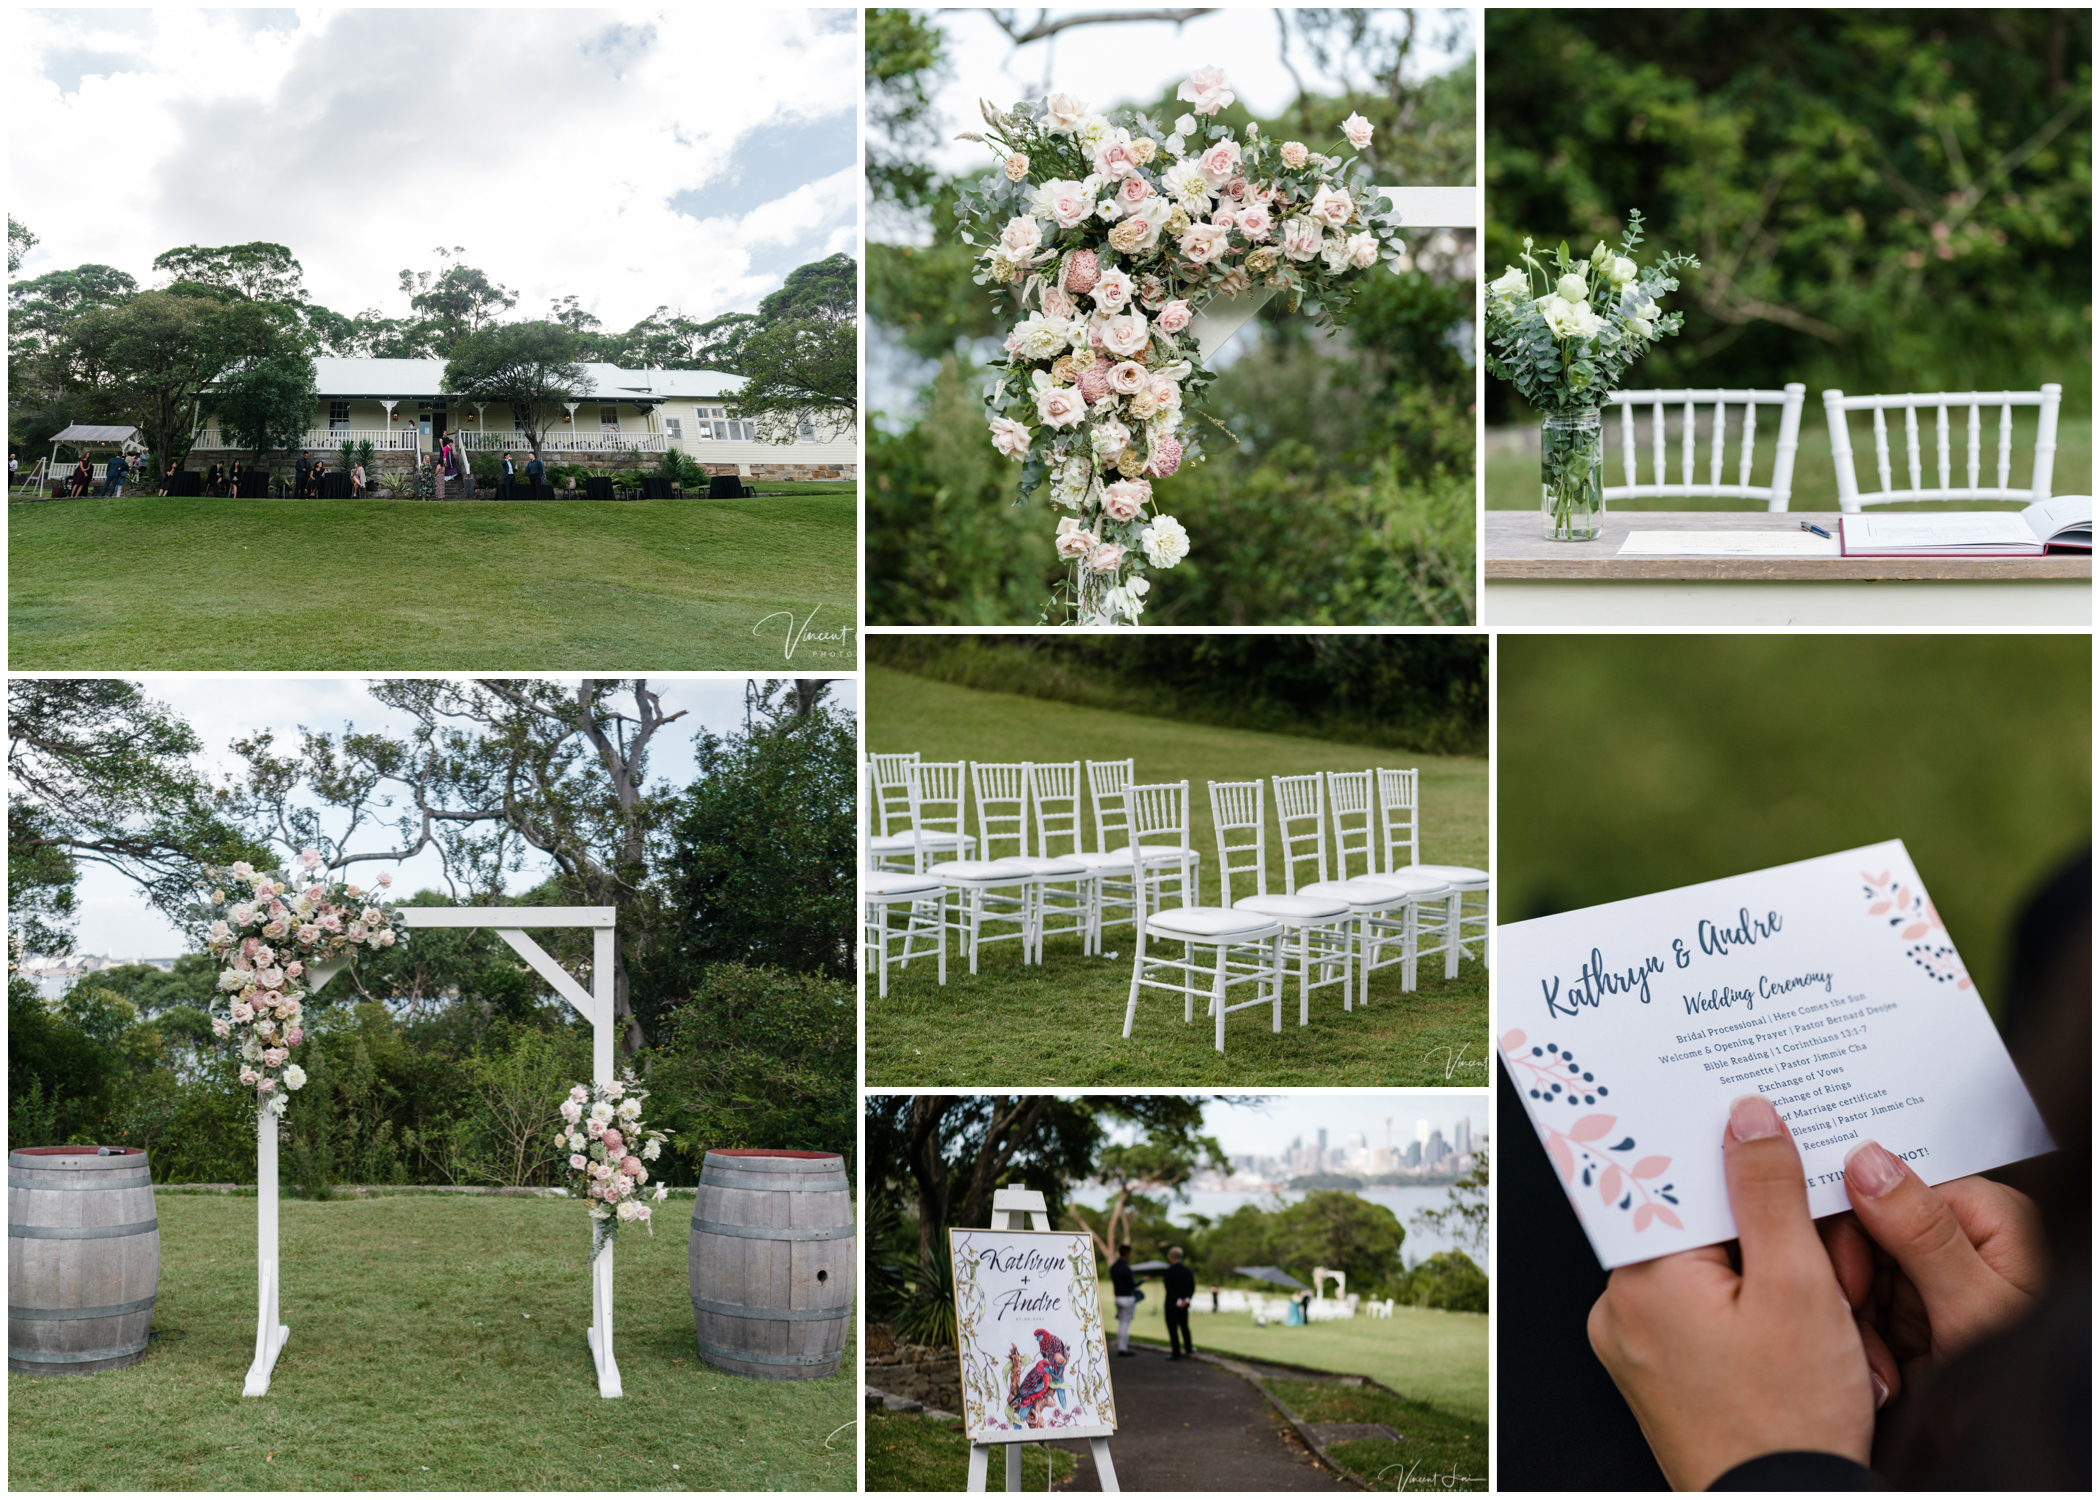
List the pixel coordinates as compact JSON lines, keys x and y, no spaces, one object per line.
{"x":1028,"y":1328}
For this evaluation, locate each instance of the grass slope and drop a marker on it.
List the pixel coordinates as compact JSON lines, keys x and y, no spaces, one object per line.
{"x":1439,"y":1358}
{"x":1436,"y":1450}
{"x":1060,"y":1023}
{"x":907,"y":1452}
{"x":264,"y":585}
{"x":1512,"y":480}
{"x":437,"y":1344}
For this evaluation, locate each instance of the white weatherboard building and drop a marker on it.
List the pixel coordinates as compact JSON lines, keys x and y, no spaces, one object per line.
{"x":399,"y":406}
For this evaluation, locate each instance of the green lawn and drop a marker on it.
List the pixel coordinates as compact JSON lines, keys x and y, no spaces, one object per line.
{"x":907,"y":1452}
{"x":387,"y":585}
{"x":437,"y":1344}
{"x":1439,"y":1358}
{"x":1512,"y":480}
{"x":1061,"y":1023}
{"x":1436,"y":1450}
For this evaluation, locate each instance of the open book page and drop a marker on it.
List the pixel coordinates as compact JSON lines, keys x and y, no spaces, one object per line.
{"x":1986,"y":533}
{"x":2062,"y":521}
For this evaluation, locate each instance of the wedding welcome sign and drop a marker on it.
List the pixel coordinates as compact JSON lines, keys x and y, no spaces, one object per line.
{"x":1028,"y":1329}
{"x":1829,"y":986}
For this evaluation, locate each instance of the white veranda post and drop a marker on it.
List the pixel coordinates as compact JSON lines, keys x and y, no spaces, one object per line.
{"x":1024,"y":1208}
{"x":596,"y":1006}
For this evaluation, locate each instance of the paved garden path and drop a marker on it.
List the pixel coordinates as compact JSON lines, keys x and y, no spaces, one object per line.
{"x":1188,"y":1425}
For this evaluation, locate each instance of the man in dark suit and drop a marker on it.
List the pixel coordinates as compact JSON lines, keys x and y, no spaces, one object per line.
{"x":1123,"y":1281}
{"x":1179,"y":1283}
{"x":510,"y":474}
{"x":533,"y":471}
{"x":304,"y":470}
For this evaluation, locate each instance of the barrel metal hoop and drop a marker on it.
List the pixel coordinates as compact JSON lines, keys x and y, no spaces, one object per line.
{"x":759,"y":1232}
{"x":97,"y":1232}
{"x":774,"y":1314}
{"x":759,"y":1183}
{"x":58,"y":1314}
{"x":774,"y":1164}
{"x":767,"y":1359}
{"x":45,"y":1357}
{"x":77,"y":1184}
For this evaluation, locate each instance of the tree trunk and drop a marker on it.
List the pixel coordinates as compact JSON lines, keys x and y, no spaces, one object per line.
{"x":929,"y":1171}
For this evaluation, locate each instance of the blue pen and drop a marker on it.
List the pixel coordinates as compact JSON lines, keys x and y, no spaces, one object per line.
{"x":1819,"y":531}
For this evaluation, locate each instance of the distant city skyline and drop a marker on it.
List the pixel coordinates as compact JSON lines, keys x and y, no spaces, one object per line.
{"x":1267,"y":1128}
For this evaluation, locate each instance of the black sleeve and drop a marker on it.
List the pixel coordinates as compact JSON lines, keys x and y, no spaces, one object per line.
{"x":1798,"y":1471}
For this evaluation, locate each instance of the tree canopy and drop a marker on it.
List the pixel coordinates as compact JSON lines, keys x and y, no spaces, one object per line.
{"x":533,"y":368}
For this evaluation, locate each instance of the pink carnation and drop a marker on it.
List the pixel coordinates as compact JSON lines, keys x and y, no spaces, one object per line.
{"x":613,"y":1142}
{"x":294,"y":1037}
{"x":1166,"y":457}
{"x":1093,"y":381}
{"x":631,"y":1165}
{"x":1081,"y":272}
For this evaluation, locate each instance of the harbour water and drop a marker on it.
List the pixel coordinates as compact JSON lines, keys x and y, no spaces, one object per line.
{"x":1405,"y":1202}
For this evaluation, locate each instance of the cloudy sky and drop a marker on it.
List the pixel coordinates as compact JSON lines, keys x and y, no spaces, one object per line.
{"x":116,"y":921}
{"x":689,"y":156}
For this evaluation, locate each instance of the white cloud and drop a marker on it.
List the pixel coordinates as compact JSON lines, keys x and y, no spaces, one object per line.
{"x":548,"y":143}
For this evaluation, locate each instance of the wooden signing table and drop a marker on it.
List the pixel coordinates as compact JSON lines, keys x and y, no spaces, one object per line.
{"x":1531,"y":581}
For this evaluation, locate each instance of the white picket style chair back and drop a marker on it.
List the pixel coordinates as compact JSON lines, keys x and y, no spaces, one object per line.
{"x":890,"y":784}
{"x":1400,"y":816}
{"x":1001,"y":790}
{"x":1053,"y":787}
{"x":1850,"y":497}
{"x":1349,"y":800}
{"x":1236,"y":807}
{"x":937,"y":807}
{"x":1774,"y":495}
{"x":1108,"y":787}
{"x":1159,"y":821}
{"x":1301,"y":822}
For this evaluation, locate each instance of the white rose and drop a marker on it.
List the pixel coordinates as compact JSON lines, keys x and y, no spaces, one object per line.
{"x":1332,"y":206}
{"x":1126,"y":336}
{"x":294,"y":1076}
{"x":1302,"y":238}
{"x":1511,"y":283}
{"x":1110,"y":437}
{"x":1164,"y":541}
{"x":1021,"y":238}
{"x":1571,"y":319}
{"x":1572,"y":288}
{"x":1358,"y":130}
{"x":1623,"y":270}
{"x":1062,"y":113}
{"x":1186,"y":125}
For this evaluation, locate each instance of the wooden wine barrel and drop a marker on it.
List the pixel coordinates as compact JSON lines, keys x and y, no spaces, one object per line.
{"x":83,"y":1259}
{"x":772,"y":1263}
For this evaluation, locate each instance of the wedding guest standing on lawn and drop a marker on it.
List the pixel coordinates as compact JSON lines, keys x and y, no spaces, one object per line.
{"x":233,"y":480}
{"x":83,"y":475}
{"x":533,"y":471}
{"x":302,"y":474}
{"x":113,"y":477}
{"x":510,"y":474}
{"x":437,"y":475}
{"x":1179,"y":1284}
{"x":1123,"y":1280}
{"x":357,"y":479}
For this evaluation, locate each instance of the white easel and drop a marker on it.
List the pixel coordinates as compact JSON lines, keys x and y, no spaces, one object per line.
{"x":594,"y":1004}
{"x":1009,"y":1207}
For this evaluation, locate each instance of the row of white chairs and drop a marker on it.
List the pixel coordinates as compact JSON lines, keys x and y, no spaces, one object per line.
{"x":1911,"y":484}
{"x":1145,"y":872}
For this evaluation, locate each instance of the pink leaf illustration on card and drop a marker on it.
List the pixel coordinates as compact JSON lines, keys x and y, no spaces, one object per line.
{"x":1590,"y":1127}
{"x":1643,"y":1216}
{"x":1562,"y":1157}
{"x":1651,"y":1166}
{"x":1915,"y":930}
{"x":1551,"y":1076}
{"x":1911,"y":914}
{"x":1879,"y":907}
{"x":1666,"y":1216}
{"x":1608,"y":1185}
{"x":1512,"y":1040}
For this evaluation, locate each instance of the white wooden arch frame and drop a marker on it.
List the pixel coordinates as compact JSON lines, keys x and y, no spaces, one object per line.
{"x":1341,"y":1282}
{"x":595,"y":1005}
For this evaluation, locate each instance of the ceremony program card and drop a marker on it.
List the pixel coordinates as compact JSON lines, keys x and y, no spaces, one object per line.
{"x":1028,"y":1328}
{"x":1829,"y":986}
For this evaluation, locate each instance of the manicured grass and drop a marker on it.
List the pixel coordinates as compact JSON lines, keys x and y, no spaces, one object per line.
{"x":143,"y":584}
{"x":437,"y":1344}
{"x":1436,"y":1450}
{"x":907,"y":1452}
{"x":1512,"y":479}
{"x":1440,"y":1358}
{"x":1060,"y":1023}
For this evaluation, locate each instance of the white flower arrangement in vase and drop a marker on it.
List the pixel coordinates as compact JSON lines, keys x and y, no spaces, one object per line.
{"x":1564,"y":334}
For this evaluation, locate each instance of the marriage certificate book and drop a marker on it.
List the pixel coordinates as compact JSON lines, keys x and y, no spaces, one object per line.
{"x":1829,"y":986}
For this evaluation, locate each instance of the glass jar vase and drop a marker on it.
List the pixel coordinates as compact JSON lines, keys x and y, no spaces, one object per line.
{"x":1571,"y":476}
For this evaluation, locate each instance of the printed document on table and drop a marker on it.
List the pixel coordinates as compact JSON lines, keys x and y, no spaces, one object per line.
{"x":1829,"y":986}
{"x":1727,"y":544}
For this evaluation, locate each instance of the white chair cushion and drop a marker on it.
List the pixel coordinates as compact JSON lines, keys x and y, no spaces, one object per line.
{"x":1293,"y":908}
{"x":895,"y":843}
{"x":1360,"y":894}
{"x":1409,"y":883}
{"x":1047,"y":867}
{"x":983,"y":871}
{"x":889,"y":884}
{"x":1209,"y":921}
{"x":1460,"y":875}
{"x":1096,"y":860}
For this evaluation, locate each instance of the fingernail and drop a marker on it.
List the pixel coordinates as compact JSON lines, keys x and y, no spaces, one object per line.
{"x":1881,"y":1391}
{"x":1871,"y":1170}
{"x":1752,"y":1118}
